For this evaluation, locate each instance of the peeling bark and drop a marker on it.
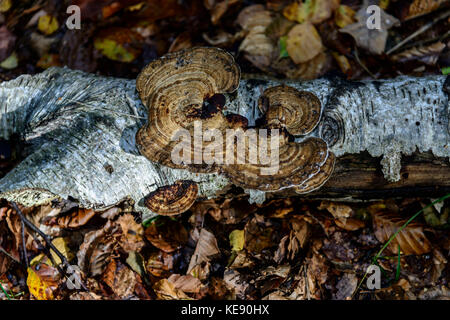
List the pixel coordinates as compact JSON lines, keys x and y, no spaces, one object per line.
{"x":81,"y":129}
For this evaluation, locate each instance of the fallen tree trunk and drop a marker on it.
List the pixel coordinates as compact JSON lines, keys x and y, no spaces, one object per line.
{"x":80,"y":131}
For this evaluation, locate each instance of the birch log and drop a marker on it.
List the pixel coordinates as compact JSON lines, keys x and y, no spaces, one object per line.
{"x":80,"y":132}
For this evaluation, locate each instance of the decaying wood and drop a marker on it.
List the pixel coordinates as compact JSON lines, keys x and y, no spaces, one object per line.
{"x":80,"y":131}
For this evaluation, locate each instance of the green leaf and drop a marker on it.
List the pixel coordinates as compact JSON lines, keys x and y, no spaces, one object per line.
{"x":445,"y":71}
{"x":282,"y":46}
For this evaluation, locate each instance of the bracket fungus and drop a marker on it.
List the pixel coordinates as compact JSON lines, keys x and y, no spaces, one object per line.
{"x":183,"y":88}
{"x":174,"y":88}
{"x":173,"y":199}
{"x":297,"y":111}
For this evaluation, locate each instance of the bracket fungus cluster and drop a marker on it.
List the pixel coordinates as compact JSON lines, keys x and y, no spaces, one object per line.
{"x":184,"y":89}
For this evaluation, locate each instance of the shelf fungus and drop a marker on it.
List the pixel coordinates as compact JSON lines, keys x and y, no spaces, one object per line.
{"x":173,"y":199}
{"x":296,"y":111}
{"x":184,"y":91}
{"x":174,"y":89}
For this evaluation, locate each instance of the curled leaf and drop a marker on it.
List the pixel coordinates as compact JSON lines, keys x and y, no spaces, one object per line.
{"x":411,"y":239}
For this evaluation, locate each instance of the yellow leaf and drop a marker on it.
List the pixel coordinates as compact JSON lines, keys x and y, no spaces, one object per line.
{"x":11,"y":62}
{"x":303,"y":43}
{"x":344,"y":16}
{"x":119,"y":44}
{"x":237,"y":240}
{"x":384,"y":4}
{"x":39,"y":287}
{"x":48,"y":24}
{"x":314,"y":11}
{"x":61,"y":245}
{"x":5,"y":5}
{"x":136,"y":7}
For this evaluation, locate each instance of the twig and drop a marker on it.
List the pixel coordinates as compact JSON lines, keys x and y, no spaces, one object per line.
{"x":24,"y":244}
{"x":30,"y":225}
{"x":362,"y":64}
{"x":9,"y":255}
{"x":419,"y":31}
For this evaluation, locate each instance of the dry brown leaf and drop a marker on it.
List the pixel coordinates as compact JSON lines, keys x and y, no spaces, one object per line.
{"x":159,"y":263}
{"x":218,"y":8}
{"x":373,"y":40}
{"x":182,"y":41}
{"x":165,"y":290}
{"x":206,"y":248}
{"x":346,"y":286}
{"x":428,"y":55}
{"x":97,"y":248}
{"x":259,"y":235}
{"x":343,"y":215}
{"x":421,"y":7}
{"x":316,"y":274}
{"x":306,"y":71}
{"x":303,"y":43}
{"x":185,"y":283}
{"x":314,"y":11}
{"x":120,"y":279}
{"x":132,"y":233}
{"x":411,"y":239}
{"x":236,"y":283}
{"x":76,"y":219}
{"x":258,"y":47}
{"x":166,"y":234}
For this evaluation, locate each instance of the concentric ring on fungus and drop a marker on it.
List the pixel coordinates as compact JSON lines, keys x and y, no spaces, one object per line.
{"x":296,"y":111}
{"x":173,"y":199}
{"x":173,"y":88}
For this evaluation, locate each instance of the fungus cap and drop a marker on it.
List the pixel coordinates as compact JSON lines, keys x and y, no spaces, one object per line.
{"x":172,"y":199}
{"x":297,"y":111}
{"x":174,"y":88}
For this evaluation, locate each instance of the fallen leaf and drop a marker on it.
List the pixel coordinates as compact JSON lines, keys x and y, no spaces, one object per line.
{"x":428,"y":54}
{"x":97,"y":248}
{"x":345,"y":287}
{"x":7,"y":43}
{"x":237,"y":240}
{"x":258,"y":47}
{"x":159,"y":263}
{"x":411,"y":239}
{"x":119,"y":44}
{"x":344,"y":16}
{"x":48,"y":24}
{"x":373,"y":40}
{"x":259,"y":235}
{"x":165,"y":290}
{"x":314,"y":11}
{"x":75,"y":219}
{"x":421,"y":7}
{"x":62,"y":245}
{"x":303,"y":43}
{"x":132,"y":233}
{"x":5,"y":5}
{"x":42,"y":281}
{"x":11,"y":62}
{"x":206,"y":248}
{"x":120,"y":279}
{"x":185,"y":283}
{"x":166,"y":234}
